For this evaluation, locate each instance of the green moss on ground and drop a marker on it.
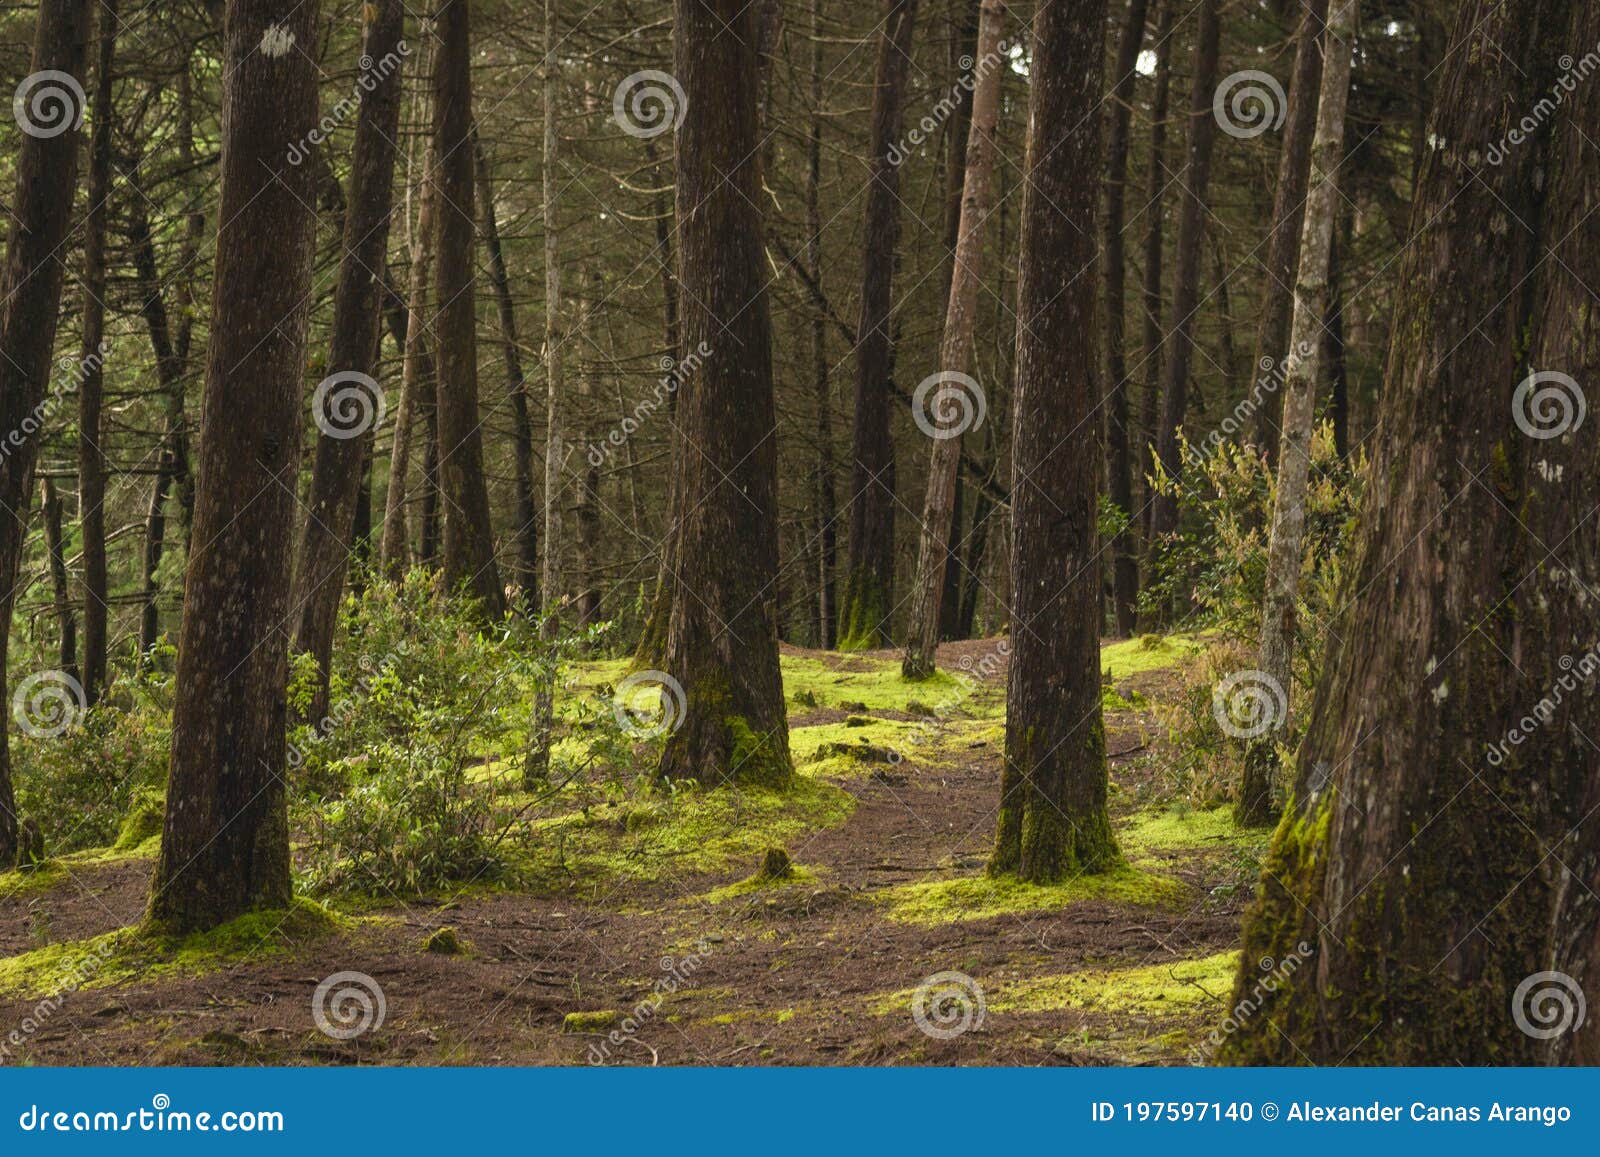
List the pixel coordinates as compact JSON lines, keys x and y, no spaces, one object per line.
{"x":1147,"y":653}
{"x":692,"y":830}
{"x":133,"y":953}
{"x":873,"y":682}
{"x":1171,"y":987}
{"x":980,"y":897}
{"x":1183,"y":829}
{"x":759,"y":882}
{"x":145,"y":816}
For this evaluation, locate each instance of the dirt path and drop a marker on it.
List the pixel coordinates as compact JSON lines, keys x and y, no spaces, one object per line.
{"x":820,"y":971}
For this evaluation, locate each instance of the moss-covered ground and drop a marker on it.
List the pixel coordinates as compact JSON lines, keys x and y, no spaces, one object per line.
{"x":634,"y":923}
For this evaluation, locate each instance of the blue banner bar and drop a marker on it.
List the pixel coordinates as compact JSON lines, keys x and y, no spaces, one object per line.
{"x":774,"y":1112}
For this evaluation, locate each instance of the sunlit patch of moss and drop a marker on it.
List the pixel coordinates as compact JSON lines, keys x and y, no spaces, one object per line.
{"x":1170,"y":987}
{"x":690,"y":830}
{"x":1147,"y":653}
{"x":145,"y":815}
{"x":980,"y":897}
{"x":1180,"y":829}
{"x":1112,"y":702}
{"x":759,"y":882}
{"x":598,"y":1020}
{"x":39,"y":877}
{"x":133,"y":953}
{"x":873,"y":682}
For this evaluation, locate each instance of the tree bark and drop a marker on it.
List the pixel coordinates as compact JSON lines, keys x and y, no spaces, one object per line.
{"x":1124,"y":566}
{"x":1439,"y":862}
{"x":1186,"y":271}
{"x":347,"y":415}
{"x":722,"y":645}
{"x":91,"y":366}
{"x":1288,"y":215}
{"x":468,"y":547}
{"x":1053,"y":822}
{"x":60,"y":586}
{"x":416,"y":386}
{"x":826,"y":532}
{"x":955,"y":353}
{"x":1286,"y":547}
{"x":225,"y":839}
{"x":1156,"y":180}
{"x":527,"y":527}
{"x":864,"y":604}
{"x":30,"y":297}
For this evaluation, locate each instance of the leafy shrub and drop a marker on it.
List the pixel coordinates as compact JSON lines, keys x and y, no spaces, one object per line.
{"x":81,"y":784}
{"x":1216,"y":566}
{"x":414,"y":777}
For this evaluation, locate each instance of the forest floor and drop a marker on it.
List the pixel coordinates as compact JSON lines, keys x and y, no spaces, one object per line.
{"x":647,"y":935}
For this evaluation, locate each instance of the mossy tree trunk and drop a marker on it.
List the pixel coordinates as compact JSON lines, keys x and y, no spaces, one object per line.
{"x":722,"y":645}
{"x":1053,"y":821}
{"x":1301,"y":367}
{"x":346,"y":418}
{"x":1444,"y":843}
{"x":225,"y":839}
{"x":864,"y":604}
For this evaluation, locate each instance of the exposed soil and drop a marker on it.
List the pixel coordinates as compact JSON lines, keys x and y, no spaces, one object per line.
{"x":803,"y":974}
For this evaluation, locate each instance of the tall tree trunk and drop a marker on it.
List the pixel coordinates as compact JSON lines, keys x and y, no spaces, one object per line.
{"x":1119,"y":444}
{"x":1288,"y":214}
{"x":30,"y":298}
{"x":950,"y":407}
{"x":1156,"y":180}
{"x":416,"y":389}
{"x":864,"y":605}
{"x":172,"y":358}
{"x":1286,"y":548}
{"x":1053,"y":822}
{"x":536,"y":767}
{"x":587,"y":515}
{"x":60,"y":585}
{"x":652,"y":649}
{"x":469,"y":562}
{"x":1186,"y":272}
{"x":826,"y":533}
{"x":527,"y":528}
{"x":91,"y":366}
{"x":1441,"y":857}
{"x":348,"y":403}
{"x":394,"y":542}
{"x":225,"y":840}
{"x":722,"y":646}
